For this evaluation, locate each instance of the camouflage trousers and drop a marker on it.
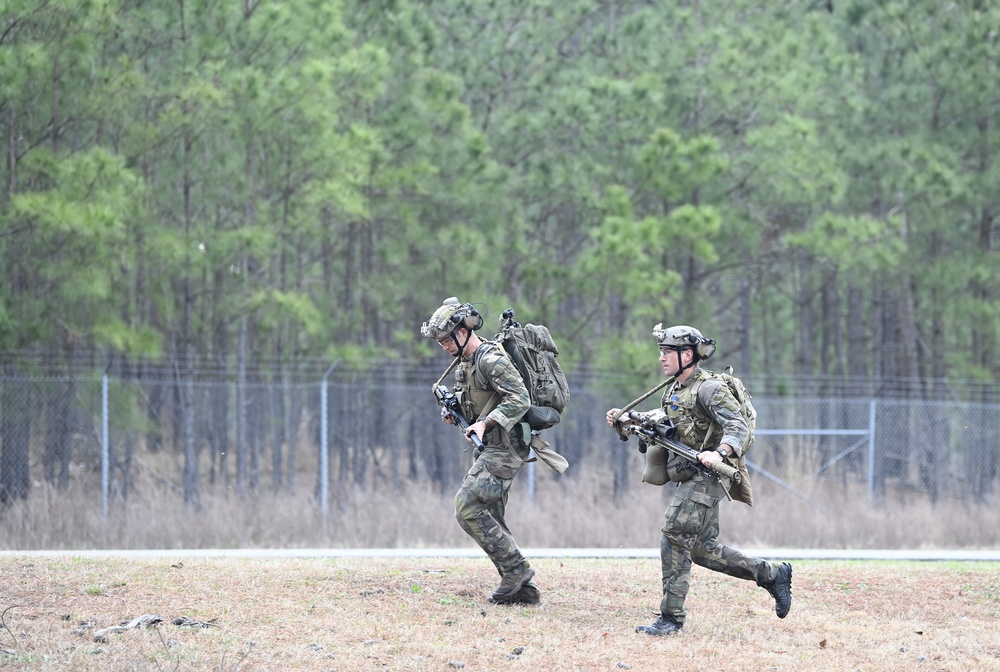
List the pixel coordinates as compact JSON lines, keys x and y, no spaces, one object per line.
{"x":481,"y":502}
{"x":691,"y":534}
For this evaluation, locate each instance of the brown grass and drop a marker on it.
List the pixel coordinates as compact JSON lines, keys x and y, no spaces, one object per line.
{"x":565,"y":513}
{"x":431,"y":614}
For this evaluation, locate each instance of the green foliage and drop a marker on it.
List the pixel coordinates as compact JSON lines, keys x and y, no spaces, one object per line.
{"x":79,"y":217}
{"x":672,"y":168}
{"x":275,"y":307}
{"x":324,"y":173}
{"x":121,"y":337}
{"x":853,"y":245}
{"x":798,"y":167}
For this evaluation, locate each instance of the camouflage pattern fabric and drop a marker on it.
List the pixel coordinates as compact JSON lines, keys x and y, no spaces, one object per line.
{"x":700,"y":402}
{"x":481,"y":502}
{"x":690,"y":534}
{"x":691,"y":530}
{"x":490,"y":386}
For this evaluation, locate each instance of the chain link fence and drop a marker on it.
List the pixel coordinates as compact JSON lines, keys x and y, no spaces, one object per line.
{"x":379,"y":427}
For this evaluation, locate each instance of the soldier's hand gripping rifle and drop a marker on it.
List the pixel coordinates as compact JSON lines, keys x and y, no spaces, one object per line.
{"x":662,"y":435}
{"x":448,"y":401}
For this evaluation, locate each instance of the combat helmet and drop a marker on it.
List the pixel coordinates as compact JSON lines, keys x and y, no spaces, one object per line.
{"x":681,"y":337}
{"x":451,"y":315}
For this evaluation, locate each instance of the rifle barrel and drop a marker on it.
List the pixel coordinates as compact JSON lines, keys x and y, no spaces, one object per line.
{"x":652,"y":436}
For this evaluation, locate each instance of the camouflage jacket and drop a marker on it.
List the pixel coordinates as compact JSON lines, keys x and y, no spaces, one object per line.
{"x":707,"y":415}
{"x":701,"y":406}
{"x":488,"y":385}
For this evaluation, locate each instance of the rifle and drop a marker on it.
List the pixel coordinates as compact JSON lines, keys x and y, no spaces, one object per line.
{"x":662,"y":434}
{"x":447,"y":399}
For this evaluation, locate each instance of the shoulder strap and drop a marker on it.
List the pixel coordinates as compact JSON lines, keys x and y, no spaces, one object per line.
{"x":482,"y":369}
{"x":709,"y":378}
{"x":482,"y":363}
{"x":707,"y":388}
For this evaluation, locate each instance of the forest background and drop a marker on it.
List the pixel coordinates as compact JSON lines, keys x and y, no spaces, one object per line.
{"x":197,"y":190}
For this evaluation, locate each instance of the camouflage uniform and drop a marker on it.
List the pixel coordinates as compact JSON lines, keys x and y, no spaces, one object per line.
{"x":699,"y":407}
{"x":488,"y":385}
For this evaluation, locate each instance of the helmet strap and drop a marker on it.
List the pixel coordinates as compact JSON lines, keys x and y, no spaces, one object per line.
{"x":461,"y":346}
{"x":693,"y":362}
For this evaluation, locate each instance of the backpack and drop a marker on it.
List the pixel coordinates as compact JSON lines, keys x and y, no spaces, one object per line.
{"x":700,"y":392}
{"x":534,"y":353}
{"x":741,"y":490}
{"x":744,"y":399}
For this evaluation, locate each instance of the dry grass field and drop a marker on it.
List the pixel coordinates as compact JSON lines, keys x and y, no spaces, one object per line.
{"x":581,"y":512}
{"x":432,"y":614}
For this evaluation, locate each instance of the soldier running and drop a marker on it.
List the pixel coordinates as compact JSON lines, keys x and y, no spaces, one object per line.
{"x":708,"y":418}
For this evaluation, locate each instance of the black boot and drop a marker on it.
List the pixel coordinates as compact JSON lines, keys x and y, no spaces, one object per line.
{"x":512,"y":584}
{"x":781,"y":590}
{"x":529,"y":594}
{"x":664,"y":625}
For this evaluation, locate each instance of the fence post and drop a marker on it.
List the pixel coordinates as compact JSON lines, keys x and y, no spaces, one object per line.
{"x":324,"y":454}
{"x":105,"y":450}
{"x":871,"y":449}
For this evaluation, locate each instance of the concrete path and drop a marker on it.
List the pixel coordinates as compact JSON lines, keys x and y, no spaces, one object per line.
{"x":773,"y":553}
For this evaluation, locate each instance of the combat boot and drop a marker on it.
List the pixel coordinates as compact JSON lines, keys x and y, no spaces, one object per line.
{"x":512,"y":583}
{"x":781,"y":590}
{"x":664,"y":625}
{"x":529,"y":594}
